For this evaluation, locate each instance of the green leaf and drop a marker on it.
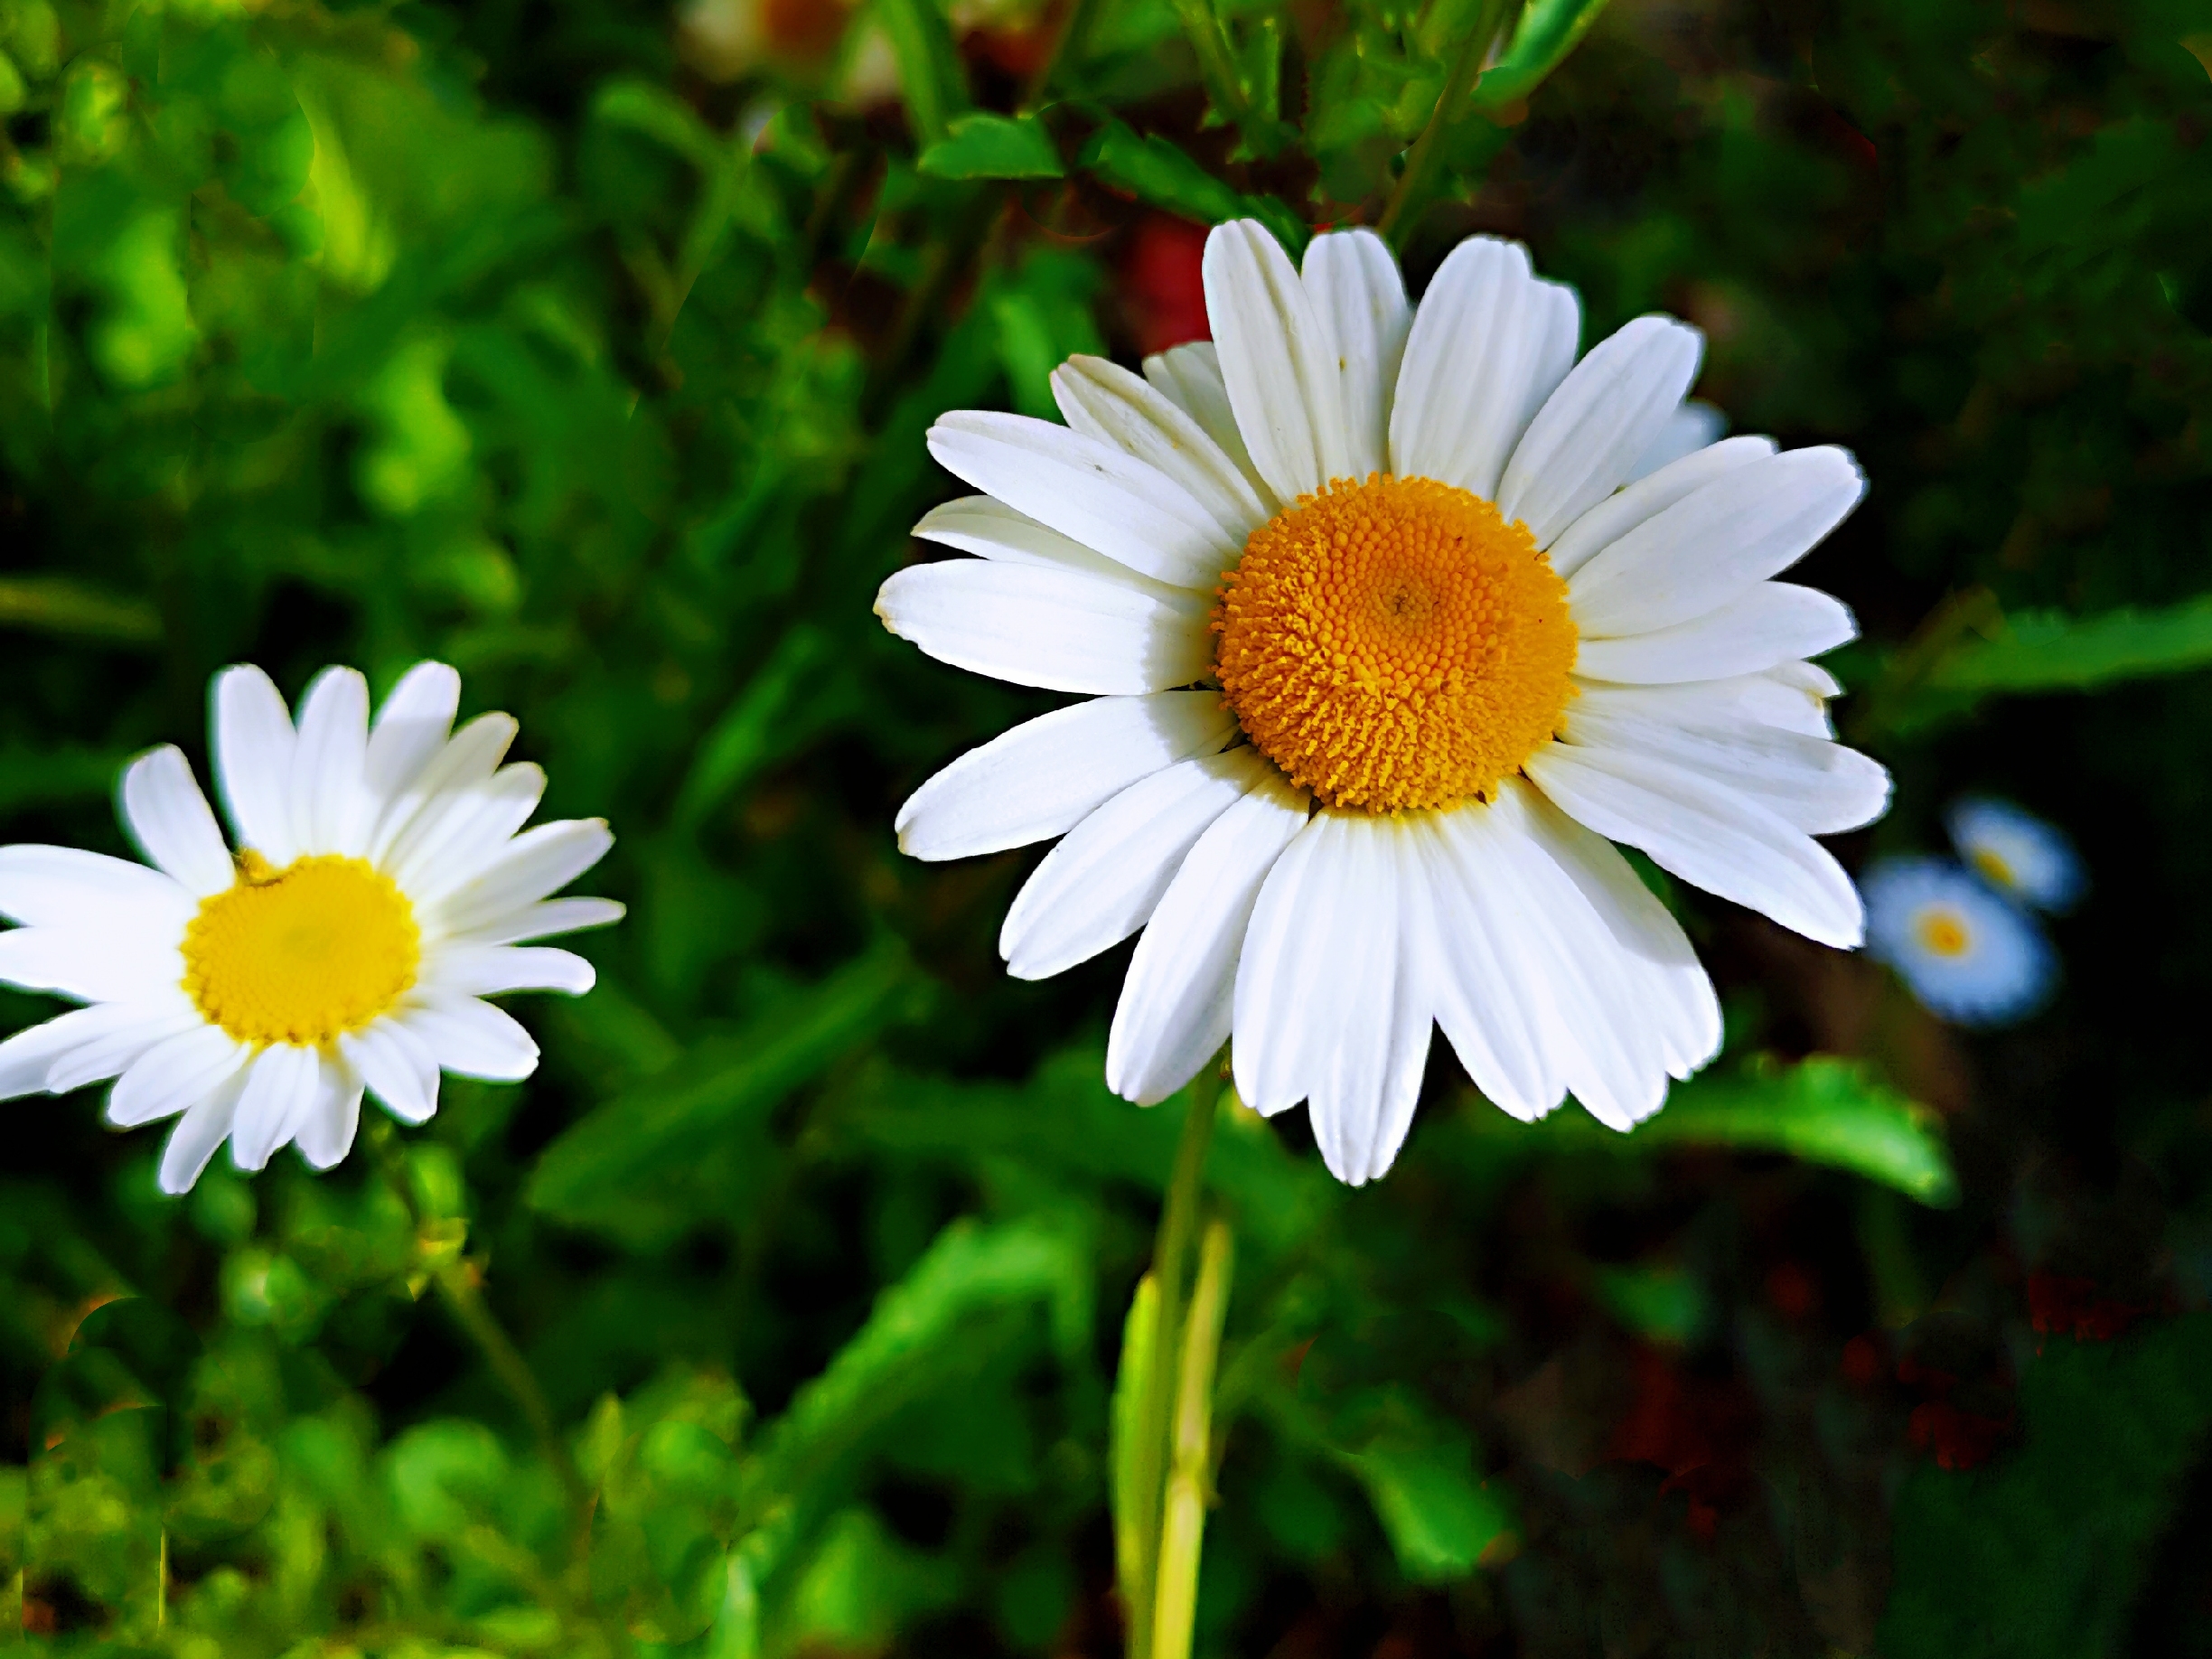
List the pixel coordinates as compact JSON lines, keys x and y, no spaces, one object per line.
{"x":1155,"y":171}
{"x":982,"y":145}
{"x":1438,"y":1517}
{"x":59,"y":604}
{"x":2048,"y":650}
{"x":765,"y":721}
{"x":929,"y":66}
{"x":2040,"y":1554}
{"x":1548,"y":30}
{"x":1139,"y":1333}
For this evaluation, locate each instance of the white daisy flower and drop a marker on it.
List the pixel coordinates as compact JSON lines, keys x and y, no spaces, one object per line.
{"x":1381,"y":659}
{"x":1968,"y":953}
{"x":379,"y":891}
{"x":2018,"y":853}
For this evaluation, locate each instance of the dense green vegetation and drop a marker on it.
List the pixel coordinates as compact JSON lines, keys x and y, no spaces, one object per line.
{"x":589,"y":349}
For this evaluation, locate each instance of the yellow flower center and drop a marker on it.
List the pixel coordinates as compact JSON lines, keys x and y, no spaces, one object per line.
{"x":1992,"y":864}
{"x":1942,"y":933}
{"x":301,"y":954}
{"x":1395,"y":644}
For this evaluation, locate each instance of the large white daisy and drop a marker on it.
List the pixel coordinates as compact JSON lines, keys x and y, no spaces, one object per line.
{"x":1383,"y":657}
{"x":379,"y":891}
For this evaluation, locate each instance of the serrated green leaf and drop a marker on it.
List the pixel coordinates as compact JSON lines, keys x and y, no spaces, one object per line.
{"x":2048,"y":650}
{"x":1155,"y":171}
{"x":982,"y":145}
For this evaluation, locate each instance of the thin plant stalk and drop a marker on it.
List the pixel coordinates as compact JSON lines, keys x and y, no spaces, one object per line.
{"x":1067,"y":47}
{"x":1174,"y":1597}
{"x":1399,"y":217}
{"x":1216,"y":63}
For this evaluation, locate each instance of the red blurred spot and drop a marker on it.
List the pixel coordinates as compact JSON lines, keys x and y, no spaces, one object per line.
{"x":2066,"y":1305}
{"x":1792,"y":1291}
{"x":1699,"y":1433}
{"x":1862,"y":1359}
{"x":1163,"y":284}
{"x":1957,"y":1440}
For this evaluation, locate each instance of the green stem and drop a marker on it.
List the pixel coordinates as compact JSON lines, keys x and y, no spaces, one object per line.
{"x":1215,"y":61}
{"x":1155,"y":1396}
{"x":1174,"y":1597}
{"x":944,"y":263}
{"x":1067,"y":46}
{"x":1399,"y":217}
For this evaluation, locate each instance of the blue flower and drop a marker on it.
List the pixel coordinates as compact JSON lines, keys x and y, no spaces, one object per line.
{"x":2018,"y":853}
{"x":1969,"y":954}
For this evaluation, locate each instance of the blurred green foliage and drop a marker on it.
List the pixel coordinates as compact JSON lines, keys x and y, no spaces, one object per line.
{"x":589,"y":347}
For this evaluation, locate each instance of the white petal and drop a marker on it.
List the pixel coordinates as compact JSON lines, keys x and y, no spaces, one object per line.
{"x":992,"y":529}
{"x":1190,"y":377}
{"x":327,"y":1129}
{"x":198,"y":1133}
{"x":418,"y":812}
{"x":1486,"y":333}
{"x":1275,"y":360}
{"x":177,"y":1073}
{"x":1043,"y":776}
{"x":1178,"y":995}
{"x":1105,"y":401}
{"x":545,"y":919}
{"x":173,"y":824}
{"x":1360,"y":301}
{"x":1707,"y":835}
{"x":79,"y":964}
{"x":1768,"y":624}
{"x":1693,"y":426}
{"x":1101,"y":883}
{"x":1623,"y":511}
{"x":1322,"y":1013}
{"x":109,"y":1056}
{"x":1093,"y":492}
{"x":281,"y":1085}
{"x":1604,"y":416}
{"x":1807,"y":676}
{"x":411,"y":728}
{"x":472,"y":826}
{"x":491,"y":971}
{"x":1750,"y":523}
{"x":65,"y":887}
{"x":332,"y":807}
{"x":473,"y":1039}
{"x":398,"y":1066}
{"x":1482,"y":997}
{"x":26,"y":1057}
{"x":1757,"y":699}
{"x":1048,"y":628}
{"x":537,"y":862}
{"x":1820,"y":787}
{"x":254,"y":745}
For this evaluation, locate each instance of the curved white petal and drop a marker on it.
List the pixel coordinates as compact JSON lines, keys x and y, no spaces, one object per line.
{"x":1708,"y":835}
{"x":1276,"y":361}
{"x":418,"y":812}
{"x":327,"y":1128}
{"x":1043,"y":776}
{"x":537,"y":862}
{"x":1096,"y":493}
{"x":175,"y":1073}
{"x":1767,"y":625}
{"x":1604,"y":416}
{"x":991,"y":528}
{"x":1809,"y":678}
{"x":472,"y":826}
{"x":282,"y":1083}
{"x":1360,"y":302}
{"x":1818,"y":786}
{"x":492,"y":970}
{"x":472,"y":1039}
{"x":411,"y":728}
{"x":332,"y":810}
{"x":173,"y":823}
{"x":254,"y":745}
{"x":1757,"y":699}
{"x":398,"y":1066}
{"x":1190,"y":377}
{"x":27,"y":1057}
{"x":1485,"y":340}
{"x":78,"y":962}
{"x":1178,"y":997}
{"x":201,"y":1130}
{"x":65,"y":887}
{"x":1102,"y":882}
{"x":1691,"y":427}
{"x":544,"y":920}
{"x":1750,"y":523}
{"x":1052,"y":629}
{"x":1622,"y":511}
{"x":1103,"y":400}
{"x":97,"y":1060}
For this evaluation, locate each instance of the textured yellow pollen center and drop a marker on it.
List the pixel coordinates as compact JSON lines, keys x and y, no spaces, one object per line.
{"x":301,"y":954}
{"x":1942,"y":934}
{"x":1395,"y":644}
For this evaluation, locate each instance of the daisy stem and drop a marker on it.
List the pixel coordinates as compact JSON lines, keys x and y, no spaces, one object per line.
{"x":1156,"y":1398}
{"x":1403,"y":213}
{"x":1067,"y":47}
{"x":1174,"y":1598}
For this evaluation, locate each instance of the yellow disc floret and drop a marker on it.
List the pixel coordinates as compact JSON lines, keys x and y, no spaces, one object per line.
{"x":1395,"y":644}
{"x":301,"y":954}
{"x":1942,"y":933}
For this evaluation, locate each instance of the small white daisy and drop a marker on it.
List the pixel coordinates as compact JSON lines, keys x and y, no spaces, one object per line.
{"x":379,"y":892}
{"x":2018,"y":853}
{"x":1968,"y":953}
{"x":1381,"y":658}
